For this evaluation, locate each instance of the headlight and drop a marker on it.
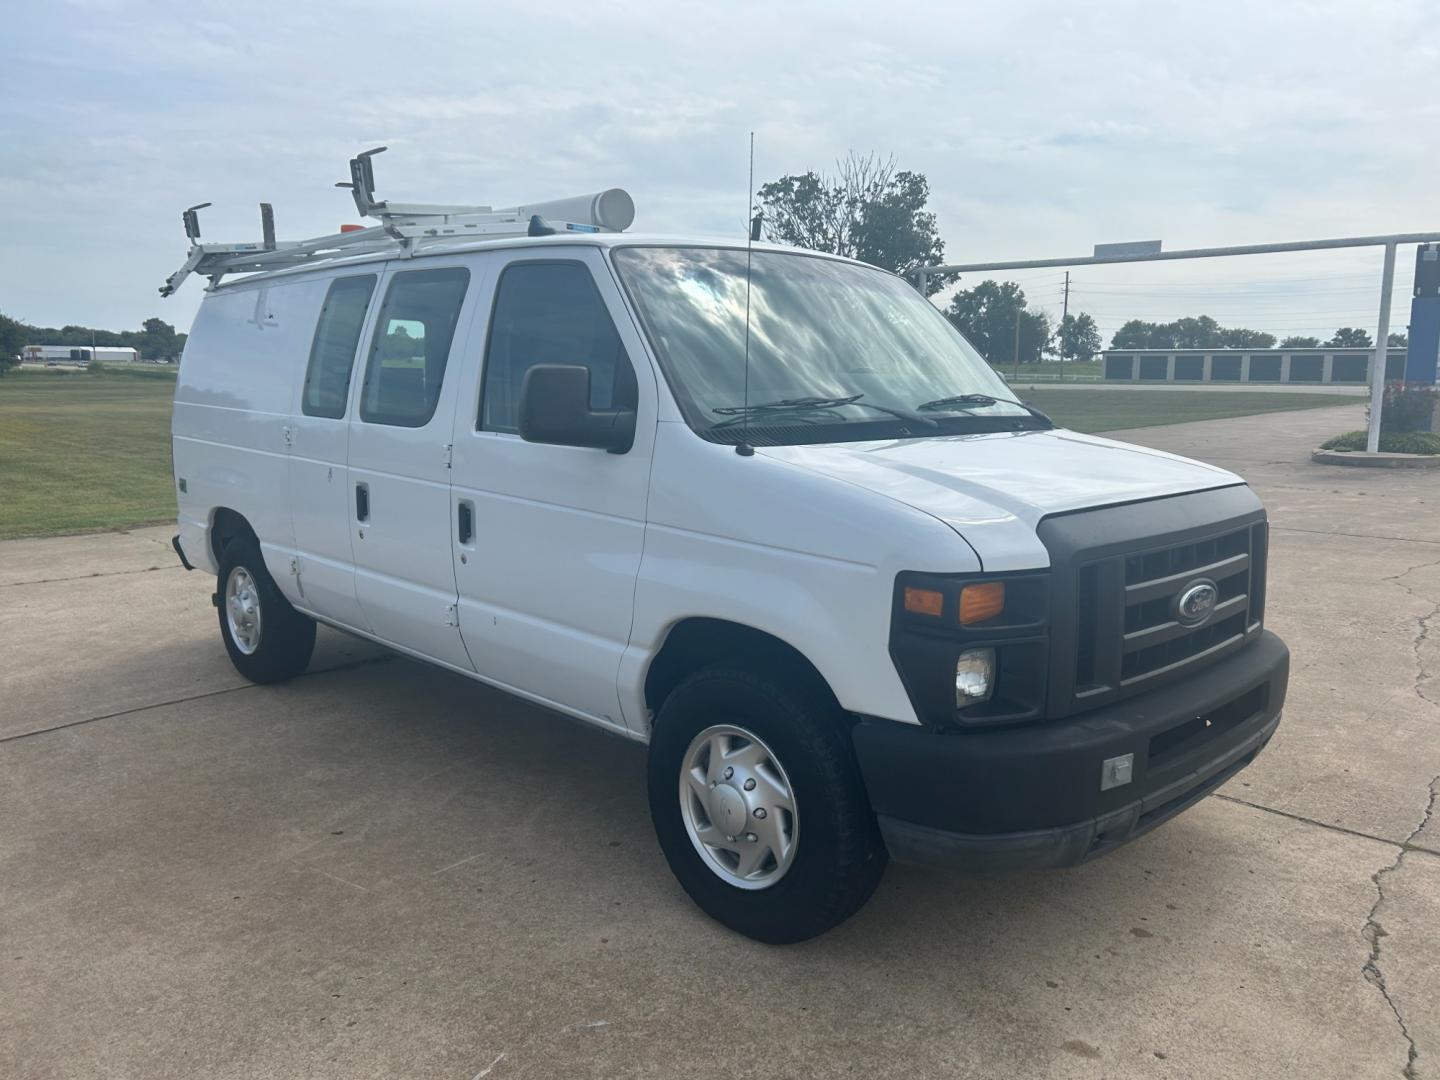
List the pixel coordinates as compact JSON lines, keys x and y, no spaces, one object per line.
{"x":974,"y":677}
{"x":972,"y":649}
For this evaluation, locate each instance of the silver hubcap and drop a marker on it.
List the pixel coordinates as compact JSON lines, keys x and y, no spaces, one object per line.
{"x":242,"y":610}
{"x":738,"y":807}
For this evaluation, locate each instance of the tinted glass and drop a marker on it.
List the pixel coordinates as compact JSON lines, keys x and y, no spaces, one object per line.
{"x":411,"y":346}
{"x":550,"y":313}
{"x":332,"y":353}
{"x":817,"y":328}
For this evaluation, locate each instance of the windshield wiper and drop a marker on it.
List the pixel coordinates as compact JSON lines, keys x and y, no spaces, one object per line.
{"x":980,"y":401}
{"x":738,"y":414}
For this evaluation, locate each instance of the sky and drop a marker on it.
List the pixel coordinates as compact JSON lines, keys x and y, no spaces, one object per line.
{"x":1043,"y":128}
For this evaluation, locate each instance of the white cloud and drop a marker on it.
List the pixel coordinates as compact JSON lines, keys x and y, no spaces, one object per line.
{"x":1042,"y":127}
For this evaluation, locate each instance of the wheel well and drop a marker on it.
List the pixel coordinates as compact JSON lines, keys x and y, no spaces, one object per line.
{"x":225,"y":525}
{"x":698,"y":643}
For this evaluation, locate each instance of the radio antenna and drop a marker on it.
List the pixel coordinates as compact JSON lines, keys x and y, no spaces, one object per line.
{"x":745,"y":449}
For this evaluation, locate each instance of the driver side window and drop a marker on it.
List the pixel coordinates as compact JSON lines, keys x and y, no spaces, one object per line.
{"x":550,"y":313}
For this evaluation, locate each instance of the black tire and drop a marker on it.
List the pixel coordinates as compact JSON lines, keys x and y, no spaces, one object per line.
{"x":839,"y":855}
{"x":286,"y":638}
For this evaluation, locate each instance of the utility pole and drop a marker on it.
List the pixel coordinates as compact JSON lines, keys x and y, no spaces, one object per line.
{"x":1017,"y":344}
{"x":1064,"y":314}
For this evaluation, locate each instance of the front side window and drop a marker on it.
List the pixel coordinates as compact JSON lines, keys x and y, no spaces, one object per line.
{"x":837,"y":351}
{"x":411,"y":346}
{"x":332,"y":353}
{"x":550,"y":313}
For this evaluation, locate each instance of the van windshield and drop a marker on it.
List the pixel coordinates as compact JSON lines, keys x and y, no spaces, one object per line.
{"x":838,"y":352}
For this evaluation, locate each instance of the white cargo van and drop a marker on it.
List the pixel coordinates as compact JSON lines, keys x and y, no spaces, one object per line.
{"x":763,"y":510}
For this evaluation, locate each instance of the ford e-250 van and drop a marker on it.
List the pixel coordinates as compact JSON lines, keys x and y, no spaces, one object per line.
{"x":763,"y":510}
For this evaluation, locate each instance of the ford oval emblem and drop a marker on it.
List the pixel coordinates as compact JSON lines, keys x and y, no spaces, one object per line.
{"x":1196,"y":602}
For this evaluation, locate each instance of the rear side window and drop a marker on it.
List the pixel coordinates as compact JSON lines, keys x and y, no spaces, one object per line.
{"x":550,"y":313}
{"x":411,"y":345}
{"x":332,"y":353}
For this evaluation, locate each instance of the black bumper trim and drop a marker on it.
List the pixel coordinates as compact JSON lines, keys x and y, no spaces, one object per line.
{"x":1030,"y":795}
{"x":1072,"y":844}
{"x":175,"y":543}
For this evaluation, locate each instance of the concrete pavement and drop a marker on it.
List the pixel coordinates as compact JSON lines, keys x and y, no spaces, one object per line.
{"x":380,"y":869}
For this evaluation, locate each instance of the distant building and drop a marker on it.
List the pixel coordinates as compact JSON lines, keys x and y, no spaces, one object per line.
{"x":80,"y":354}
{"x":1320,"y":365}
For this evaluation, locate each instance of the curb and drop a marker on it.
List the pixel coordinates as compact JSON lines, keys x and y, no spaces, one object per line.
{"x":1366,"y":460}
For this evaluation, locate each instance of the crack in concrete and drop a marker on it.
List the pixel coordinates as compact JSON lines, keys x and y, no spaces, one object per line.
{"x":1422,"y":633}
{"x":1404,"y":845}
{"x":1374,"y":931}
{"x":351,"y":665}
{"x":1354,"y":536}
{"x":87,"y":577}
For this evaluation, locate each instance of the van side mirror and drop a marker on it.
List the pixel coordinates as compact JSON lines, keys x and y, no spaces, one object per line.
{"x":555,"y":408}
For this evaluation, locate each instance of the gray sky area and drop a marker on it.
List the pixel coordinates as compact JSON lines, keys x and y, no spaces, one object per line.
{"x":1043,"y":128}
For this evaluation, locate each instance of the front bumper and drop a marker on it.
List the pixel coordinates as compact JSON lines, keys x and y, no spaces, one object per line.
{"x":1031,"y":796}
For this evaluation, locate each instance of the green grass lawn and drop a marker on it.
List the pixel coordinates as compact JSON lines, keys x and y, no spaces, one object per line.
{"x":84,"y":452}
{"x":1068,"y":370}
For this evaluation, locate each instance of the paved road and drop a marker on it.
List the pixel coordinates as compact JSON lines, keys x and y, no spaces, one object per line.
{"x":382,"y":870}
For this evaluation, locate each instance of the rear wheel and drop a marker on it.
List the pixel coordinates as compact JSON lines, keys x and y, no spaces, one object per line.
{"x":759,"y":806}
{"x":267,"y":639}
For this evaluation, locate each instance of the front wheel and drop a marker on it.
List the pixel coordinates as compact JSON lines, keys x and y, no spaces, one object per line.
{"x":267,"y":639}
{"x":758,"y":804}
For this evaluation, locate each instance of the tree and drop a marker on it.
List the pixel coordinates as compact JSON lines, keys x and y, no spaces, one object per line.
{"x":1398,"y":341}
{"x":1139,"y":334}
{"x":1348,"y":337}
{"x":157,"y":339}
{"x":1298,"y":342}
{"x":868,"y":210}
{"x":987,"y":315}
{"x":14,"y":336}
{"x":1199,"y":332}
{"x":1237,"y":338}
{"x":1079,"y":338}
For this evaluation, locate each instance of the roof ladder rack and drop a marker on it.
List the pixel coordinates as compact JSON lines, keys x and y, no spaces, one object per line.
{"x":403,"y":228}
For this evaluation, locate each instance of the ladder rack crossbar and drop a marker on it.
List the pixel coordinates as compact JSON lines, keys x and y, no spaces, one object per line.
{"x":216,"y":260}
{"x":403,"y":228}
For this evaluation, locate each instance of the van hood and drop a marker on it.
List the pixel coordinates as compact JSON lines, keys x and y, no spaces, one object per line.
{"x":994,"y":489}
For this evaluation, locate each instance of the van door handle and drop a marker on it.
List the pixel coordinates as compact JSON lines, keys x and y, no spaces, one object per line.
{"x":362,"y":502}
{"x":465,"y":521}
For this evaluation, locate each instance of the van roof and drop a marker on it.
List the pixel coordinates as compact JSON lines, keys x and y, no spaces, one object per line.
{"x":420,"y":230}
{"x":441,"y":249}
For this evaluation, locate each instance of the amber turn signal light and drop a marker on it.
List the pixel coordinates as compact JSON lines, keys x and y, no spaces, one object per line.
{"x":981,"y":602}
{"x":924,"y":602}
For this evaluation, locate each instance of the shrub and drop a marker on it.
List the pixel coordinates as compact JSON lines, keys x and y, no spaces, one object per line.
{"x":95,"y":367}
{"x":1393,"y":442}
{"x":1408,"y":408}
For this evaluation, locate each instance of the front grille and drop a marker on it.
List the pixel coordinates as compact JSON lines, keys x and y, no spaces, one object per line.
{"x":1155,"y":640}
{"x":1129,"y":634}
